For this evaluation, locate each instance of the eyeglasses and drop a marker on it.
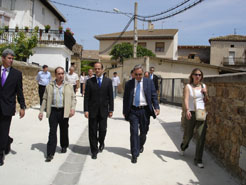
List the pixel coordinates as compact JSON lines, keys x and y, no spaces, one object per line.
{"x":197,"y":74}
{"x":138,"y":74}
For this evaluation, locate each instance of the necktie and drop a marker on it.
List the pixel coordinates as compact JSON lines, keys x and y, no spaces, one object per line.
{"x":137,"y":95}
{"x":4,"y":76}
{"x":99,"y":81}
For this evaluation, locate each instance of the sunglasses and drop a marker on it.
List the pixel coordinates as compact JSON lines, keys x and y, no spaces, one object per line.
{"x":197,"y":74}
{"x":138,"y":74}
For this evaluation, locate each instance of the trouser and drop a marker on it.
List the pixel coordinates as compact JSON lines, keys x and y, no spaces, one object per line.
{"x":97,"y":132}
{"x":82,"y":88}
{"x":57,"y":117}
{"x":41,"y":89}
{"x":5,"y":140}
{"x":139,"y":119}
{"x":201,"y":128}
{"x":115,"y":89}
{"x":74,"y":88}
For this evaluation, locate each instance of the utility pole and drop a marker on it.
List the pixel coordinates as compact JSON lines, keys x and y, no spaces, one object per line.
{"x":135,"y":37}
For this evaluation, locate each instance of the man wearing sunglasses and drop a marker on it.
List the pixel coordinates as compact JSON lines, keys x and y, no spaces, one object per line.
{"x":139,"y":103}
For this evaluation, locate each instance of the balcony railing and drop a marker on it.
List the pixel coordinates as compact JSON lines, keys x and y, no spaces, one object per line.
{"x":234,"y":61}
{"x":54,"y":37}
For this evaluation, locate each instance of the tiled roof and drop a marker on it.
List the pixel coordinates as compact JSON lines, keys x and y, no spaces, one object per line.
{"x":240,"y":38}
{"x":141,"y":33}
{"x":193,"y":47}
{"x":90,"y":54}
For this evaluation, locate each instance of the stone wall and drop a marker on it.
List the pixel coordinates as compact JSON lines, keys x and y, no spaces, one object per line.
{"x":30,"y":85}
{"x":226,"y":120}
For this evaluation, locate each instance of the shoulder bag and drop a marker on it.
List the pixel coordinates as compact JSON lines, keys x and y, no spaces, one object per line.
{"x":200,"y":113}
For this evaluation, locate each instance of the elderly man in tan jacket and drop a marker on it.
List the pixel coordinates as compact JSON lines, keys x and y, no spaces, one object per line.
{"x":59,"y":100}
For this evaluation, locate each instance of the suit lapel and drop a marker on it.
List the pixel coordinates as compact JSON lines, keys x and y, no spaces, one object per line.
{"x":9,"y":76}
{"x":145,"y":85}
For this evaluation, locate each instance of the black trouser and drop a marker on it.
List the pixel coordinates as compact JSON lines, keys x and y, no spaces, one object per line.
{"x":139,"y":119}
{"x":57,"y":117}
{"x":97,"y":124}
{"x":74,"y":88}
{"x":5,"y":140}
{"x":41,"y":89}
{"x":81,"y":88}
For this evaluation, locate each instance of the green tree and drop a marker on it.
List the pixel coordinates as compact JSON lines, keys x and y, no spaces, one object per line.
{"x":124,"y":51}
{"x":22,"y":45}
{"x":86,"y":65}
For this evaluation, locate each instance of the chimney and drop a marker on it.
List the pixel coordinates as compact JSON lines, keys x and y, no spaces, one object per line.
{"x":150,"y":26}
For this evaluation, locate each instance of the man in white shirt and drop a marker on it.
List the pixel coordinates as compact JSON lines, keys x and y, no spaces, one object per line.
{"x":73,"y":79}
{"x":116,"y":82}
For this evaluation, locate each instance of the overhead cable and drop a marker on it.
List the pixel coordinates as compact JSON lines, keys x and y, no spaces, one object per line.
{"x":118,"y":38}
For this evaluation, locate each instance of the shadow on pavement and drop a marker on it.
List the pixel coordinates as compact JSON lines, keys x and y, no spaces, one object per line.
{"x":84,"y":150}
{"x":118,"y":118}
{"x":42,"y":148}
{"x":119,"y":151}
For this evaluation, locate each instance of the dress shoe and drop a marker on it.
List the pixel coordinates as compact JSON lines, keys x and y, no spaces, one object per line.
{"x":1,"y":159}
{"x":94,"y":156}
{"x":134,"y":159}
{"x":49,"y":158}
{"x":101,"y":147}
{"x":141,"y":149}
{"x":63,"y":150}
{"x":8,"y":148}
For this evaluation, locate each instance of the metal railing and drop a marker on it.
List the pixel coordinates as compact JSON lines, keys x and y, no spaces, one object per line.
{"x":171,"y":91}
{"x":54,"y":37}
{"x":234,"y":61}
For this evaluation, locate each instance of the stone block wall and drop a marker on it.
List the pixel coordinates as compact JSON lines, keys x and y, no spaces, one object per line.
{"x":226,"y":120}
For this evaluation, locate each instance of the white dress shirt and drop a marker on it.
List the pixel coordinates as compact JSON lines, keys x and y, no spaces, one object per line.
{"x":143,"y":101}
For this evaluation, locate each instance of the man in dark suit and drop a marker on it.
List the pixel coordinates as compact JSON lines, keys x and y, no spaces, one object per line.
{"x":139,"y":103}
{"x":153,"y":77}
{"x":98,"y":105}
{"x":11,"y":85}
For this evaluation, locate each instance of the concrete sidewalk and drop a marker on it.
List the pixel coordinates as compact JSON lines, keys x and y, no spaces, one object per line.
{"x":159,"y":164}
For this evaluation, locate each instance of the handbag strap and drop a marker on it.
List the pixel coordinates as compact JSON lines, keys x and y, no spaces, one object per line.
{"x":194,"y":97}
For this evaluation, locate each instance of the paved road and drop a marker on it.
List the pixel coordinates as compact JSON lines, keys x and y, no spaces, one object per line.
{"x":159,"y":164}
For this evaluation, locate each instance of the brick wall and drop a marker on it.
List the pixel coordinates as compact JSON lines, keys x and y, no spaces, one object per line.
{"x":226,"y":120}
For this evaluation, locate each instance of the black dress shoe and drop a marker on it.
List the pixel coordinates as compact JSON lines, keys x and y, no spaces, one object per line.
{"x":8,"y":148}
{"x":141,"y":149}
{"x":134,"y":159}
{"x":49,"y":158}
{"x":94,"y":156}
{"x":1,"y":159}
{"x":63,"y":150}
{"x":101,"y":147}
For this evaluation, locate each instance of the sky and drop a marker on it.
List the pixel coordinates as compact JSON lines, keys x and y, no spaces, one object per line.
{"x":208,"y":19}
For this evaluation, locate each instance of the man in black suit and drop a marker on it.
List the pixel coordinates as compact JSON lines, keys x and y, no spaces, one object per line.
{"x":11,"y":85}
{"x":139,"y":103}
{"x":153,"y":77}
{"x":98,"y":105}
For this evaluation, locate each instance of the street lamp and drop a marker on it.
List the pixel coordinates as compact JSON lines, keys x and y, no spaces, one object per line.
{"x":135,"y":36}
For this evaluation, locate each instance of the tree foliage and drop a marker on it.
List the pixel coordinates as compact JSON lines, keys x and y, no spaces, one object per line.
{"x":86,"y":65}
{"x":22,"y":45}
{"x":124,"y":51}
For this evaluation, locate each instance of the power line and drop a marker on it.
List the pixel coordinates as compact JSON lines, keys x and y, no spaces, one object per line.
{"x":90,"y":9}
{"x":166,"y":11}
{"x":118,"y":38}
{"x":170,"y":15}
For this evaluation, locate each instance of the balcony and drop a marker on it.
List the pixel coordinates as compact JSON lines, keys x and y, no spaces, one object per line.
{"x":54,"y":37}
{"x":234,"y":61}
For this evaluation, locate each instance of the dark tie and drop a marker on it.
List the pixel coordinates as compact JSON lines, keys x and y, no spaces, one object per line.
{"x":99,"y":81}
{"x":4,"y":76}
{"x":137,"y":95}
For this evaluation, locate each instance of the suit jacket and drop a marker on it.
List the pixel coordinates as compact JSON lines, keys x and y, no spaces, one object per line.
{"x":11,"y":88}
{"x":155,"y":80}
{"x":98,"y":100}
{"x":149,"y":92}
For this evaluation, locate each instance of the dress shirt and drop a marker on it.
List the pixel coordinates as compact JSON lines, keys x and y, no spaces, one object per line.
{"x":57,"y":100}
{"x":6,"y":72}
{"x":101,"y":78}
{"x":72,"y":78}
{"x":43,"y":78}
{"x":151,"y":76}
{"x":82,"y":79}
{"x":143,"y":101}
{"x":115,"y":81}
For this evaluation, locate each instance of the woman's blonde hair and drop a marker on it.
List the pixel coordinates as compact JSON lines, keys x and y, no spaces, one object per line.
{"x":193,"y":72}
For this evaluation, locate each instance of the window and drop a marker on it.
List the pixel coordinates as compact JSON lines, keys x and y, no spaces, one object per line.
{"x":143,"y":44}
{"x":43,"y":11}
{"x":159,"y":46}
{"x":191,"y":56}
{"x":55,"y":21}
{"x":31,"y":8}
{"x":232,"y":46}
{"x":0,"y":3}
{"x":12,"y":6}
